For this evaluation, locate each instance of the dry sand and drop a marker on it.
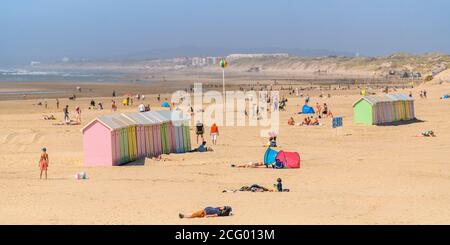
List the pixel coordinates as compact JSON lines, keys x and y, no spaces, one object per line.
{"x":364,"y":175}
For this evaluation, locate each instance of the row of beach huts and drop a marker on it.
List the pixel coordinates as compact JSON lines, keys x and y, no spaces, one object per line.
{"x":120,"y":138}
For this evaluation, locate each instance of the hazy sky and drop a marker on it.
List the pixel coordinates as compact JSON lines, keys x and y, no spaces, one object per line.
{"x":32,"y":29}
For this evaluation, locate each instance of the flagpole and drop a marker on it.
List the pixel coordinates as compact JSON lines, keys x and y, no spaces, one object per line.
{"x":223,"y":83}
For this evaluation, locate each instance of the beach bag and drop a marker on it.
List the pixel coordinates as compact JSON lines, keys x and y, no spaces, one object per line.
{"x":226,"y":211}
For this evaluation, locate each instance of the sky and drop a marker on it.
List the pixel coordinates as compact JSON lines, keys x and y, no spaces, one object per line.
{"x":42,"y":29}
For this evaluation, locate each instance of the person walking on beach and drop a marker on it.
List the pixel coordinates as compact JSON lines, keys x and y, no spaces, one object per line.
{"x":66,"y":114}
{"x":43,"y":163}
{"x":214,"y":132}
{"x":114,"y":93}
{"x":199,"y":130}
{"x":57,"y":103}
{"x":45,"y":104}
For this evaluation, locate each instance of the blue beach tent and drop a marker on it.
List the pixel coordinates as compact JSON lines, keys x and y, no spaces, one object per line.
{"x":307,"y":110}
{"x":269,"y":156}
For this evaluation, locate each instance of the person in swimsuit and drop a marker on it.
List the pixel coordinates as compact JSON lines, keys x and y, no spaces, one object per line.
{"x":249,"y":165}
{"x":43,"y":162}
{"x":208,"y":212}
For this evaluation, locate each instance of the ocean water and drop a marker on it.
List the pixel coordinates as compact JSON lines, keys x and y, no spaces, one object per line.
{"x":31,"y":75}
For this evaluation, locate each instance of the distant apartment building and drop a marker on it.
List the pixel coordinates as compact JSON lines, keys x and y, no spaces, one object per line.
{"x":239,"y":56}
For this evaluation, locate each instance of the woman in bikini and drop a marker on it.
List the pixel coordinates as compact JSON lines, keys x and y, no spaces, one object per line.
{"x":43,"y":162}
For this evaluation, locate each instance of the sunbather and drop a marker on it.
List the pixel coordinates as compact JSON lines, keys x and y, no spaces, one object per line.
{"x":249,"y":165}
{"x":208,"y":212}
{"x":51,"y":117}
{"x":306,"y":121}
{"x":428,"y":133}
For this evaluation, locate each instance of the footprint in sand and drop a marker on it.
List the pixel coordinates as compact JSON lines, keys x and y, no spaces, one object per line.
{"x":7,"y":138}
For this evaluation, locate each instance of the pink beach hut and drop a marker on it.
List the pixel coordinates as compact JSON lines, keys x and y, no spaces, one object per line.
{"x":116,"y":139}
{"x":103,"y":143}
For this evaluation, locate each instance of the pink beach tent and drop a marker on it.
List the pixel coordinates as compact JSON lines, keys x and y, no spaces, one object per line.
{"x":289,"y":159}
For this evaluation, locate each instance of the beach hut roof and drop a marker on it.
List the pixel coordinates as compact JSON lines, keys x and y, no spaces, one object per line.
{"x":112,"y":122}
{"x":384,"y":98}
{"x":139,"y":119}
{"x":172,"y":115}
{"x":123,"y":120}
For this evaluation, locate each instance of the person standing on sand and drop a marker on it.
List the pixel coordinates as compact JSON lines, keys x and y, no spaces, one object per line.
{"x":199,"y":129}
{"x":114,"y":93}
{"x":78,"y":114}
{"x":113,"y":105}
{"x":45,"y":103}
{"x":318,"y":109}
{"x":66,"y":114}
{"x":214,"y":132}
{"x":43,"y":163}
{"x":57,"y":103}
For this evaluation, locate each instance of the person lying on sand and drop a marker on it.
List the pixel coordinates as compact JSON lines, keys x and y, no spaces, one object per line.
{"x":315,"y":122}
{"x":208,"y":212}
{"x":160,"y":158}
{"x":249,"y":165}
{"x":252,"y":188}
{"x":306,"y":121}
{"x":258,"y":188}
{"x":427,"y":133}
{"x":51,"y":117}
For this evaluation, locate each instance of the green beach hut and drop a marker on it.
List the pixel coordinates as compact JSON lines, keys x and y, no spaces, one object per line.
{"x":382,"y":109}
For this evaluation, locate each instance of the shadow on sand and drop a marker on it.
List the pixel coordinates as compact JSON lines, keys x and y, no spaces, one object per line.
{"x":400,"y":123}
{"x":139,"y":162}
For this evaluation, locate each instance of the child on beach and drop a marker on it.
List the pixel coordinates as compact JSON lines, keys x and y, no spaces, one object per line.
{"x":279,"y":186}
{"x":208,"y":212}
{"x":43,"y":162}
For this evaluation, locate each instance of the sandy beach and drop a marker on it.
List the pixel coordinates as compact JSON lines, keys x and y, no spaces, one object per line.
{"x":361,"y":175}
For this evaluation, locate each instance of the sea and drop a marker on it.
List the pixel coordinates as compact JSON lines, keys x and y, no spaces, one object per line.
{"x":40,"y":75}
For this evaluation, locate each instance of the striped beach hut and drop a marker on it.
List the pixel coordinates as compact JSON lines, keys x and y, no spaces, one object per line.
{"x":382,"y":109}
{"x":116,"y":139}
